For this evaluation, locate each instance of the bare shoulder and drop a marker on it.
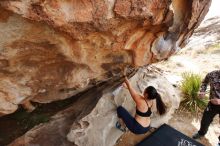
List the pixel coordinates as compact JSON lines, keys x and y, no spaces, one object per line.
{"x":141,"y":102}
{"x":141,"y":97}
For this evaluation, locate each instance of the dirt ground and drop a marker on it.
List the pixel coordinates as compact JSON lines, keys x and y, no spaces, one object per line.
{"x":184,"y":122}
{"x":130,"y":139}
{"x":189,"y":124}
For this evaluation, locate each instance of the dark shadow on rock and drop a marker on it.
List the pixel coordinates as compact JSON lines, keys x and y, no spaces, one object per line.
{"x":56,"y":117}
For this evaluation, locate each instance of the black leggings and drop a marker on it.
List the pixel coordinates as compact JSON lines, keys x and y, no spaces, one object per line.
{"x":130,"y":122}
{"x":209,"y":113}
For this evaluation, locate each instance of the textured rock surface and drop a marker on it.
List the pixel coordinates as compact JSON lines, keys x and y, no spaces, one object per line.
{"x":54,"y":132}
{"x":97,"y":128}
{"x":66,"y":46}
{"x":206,"y":35}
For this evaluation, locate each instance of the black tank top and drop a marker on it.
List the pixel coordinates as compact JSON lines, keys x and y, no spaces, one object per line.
{"x":146,"y":114}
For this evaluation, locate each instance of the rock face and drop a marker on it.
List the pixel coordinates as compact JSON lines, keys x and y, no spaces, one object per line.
{"x":54,"y":132}
{"x":98,"y":127}
{"x":51,"y":50}
{"x":206,"y":35}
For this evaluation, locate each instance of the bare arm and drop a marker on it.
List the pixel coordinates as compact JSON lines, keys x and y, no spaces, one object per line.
{"x":136,"y":97}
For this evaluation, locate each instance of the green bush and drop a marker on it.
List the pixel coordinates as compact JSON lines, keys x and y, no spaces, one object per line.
{"x":190,"y":87}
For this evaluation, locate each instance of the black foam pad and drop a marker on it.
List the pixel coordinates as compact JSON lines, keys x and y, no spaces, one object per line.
{"x":165,"y":135}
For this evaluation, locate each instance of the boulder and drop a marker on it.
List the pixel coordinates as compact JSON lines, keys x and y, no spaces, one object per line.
{"x":52,"y":50}
{"x":98,"y":127}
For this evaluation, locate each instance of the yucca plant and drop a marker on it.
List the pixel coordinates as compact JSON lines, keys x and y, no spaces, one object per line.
{"x":190,"y":87}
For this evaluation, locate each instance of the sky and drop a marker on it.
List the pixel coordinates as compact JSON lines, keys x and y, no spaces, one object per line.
{"x":214,"y":10}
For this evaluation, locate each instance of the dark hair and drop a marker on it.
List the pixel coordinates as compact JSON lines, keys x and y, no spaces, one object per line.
{"x":153,"y":94}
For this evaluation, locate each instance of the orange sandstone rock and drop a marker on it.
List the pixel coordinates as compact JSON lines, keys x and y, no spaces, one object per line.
{"x":51,"y":50}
